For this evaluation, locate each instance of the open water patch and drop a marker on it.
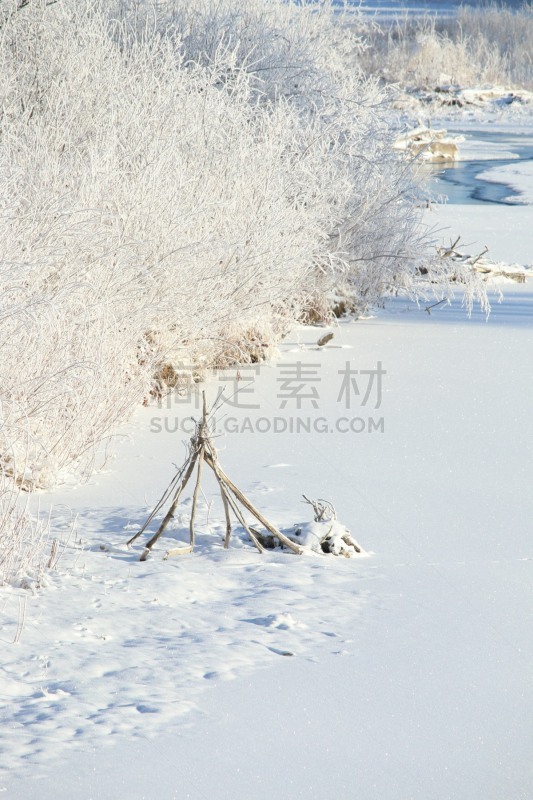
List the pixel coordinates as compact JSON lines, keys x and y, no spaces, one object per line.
{"x":459,"y":181}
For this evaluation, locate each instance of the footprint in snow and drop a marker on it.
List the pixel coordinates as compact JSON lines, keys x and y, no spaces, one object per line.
{"x":142,"y":708}
{"x":282,"y":622}
{"x":280,"y":652}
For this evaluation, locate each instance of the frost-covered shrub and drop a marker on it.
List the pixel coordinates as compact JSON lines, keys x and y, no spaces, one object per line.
{"x":23,"y":538}
{"x":505,"y":41}
{"x":300,"y":56}
{"x":490,"y":44}
{"x":167,"y":199}
{"x":416,"y":53}
{"x":146,"y":211}
{"x":288,"y":50}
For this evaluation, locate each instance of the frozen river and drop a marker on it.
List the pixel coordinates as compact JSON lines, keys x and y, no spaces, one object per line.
{"x":460,"y":181}
{"x":394,"y":8}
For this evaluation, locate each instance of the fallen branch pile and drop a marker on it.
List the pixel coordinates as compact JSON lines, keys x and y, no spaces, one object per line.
{"x":203,"y":451}
{"x":483,"y":264}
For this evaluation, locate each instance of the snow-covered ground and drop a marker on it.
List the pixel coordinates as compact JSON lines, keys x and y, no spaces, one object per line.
{"x":519,"y":177}
{"x":405,"y":673}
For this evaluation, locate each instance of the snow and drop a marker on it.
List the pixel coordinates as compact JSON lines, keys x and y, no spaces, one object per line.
{"x":519,"y":177}
{"x":409,"y":670}
{"x":402,"y":673}
{"x":504,"y":230}
{"x":430,"y":144}
{"x":492,"y":105}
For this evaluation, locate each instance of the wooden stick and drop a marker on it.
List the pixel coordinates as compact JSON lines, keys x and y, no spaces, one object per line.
{"x":248,"y":505}
{"x":214,"y":466}
{"x":195,"y":496}
{"x":178,"y":551}
{"x":170,"y":512}
{"x":196,"y":458}
{"x":159,"y":505}
{"x":228,"y":502}
{"x":240,"y":516}
{"x":227,"y":515}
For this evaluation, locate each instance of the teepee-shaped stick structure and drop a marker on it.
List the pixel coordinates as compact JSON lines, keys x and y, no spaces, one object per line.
{"x":203,"y":451}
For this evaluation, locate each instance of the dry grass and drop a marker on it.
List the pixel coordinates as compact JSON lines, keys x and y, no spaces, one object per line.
{"x":489,"y":44}
{"x":24,"y":540}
